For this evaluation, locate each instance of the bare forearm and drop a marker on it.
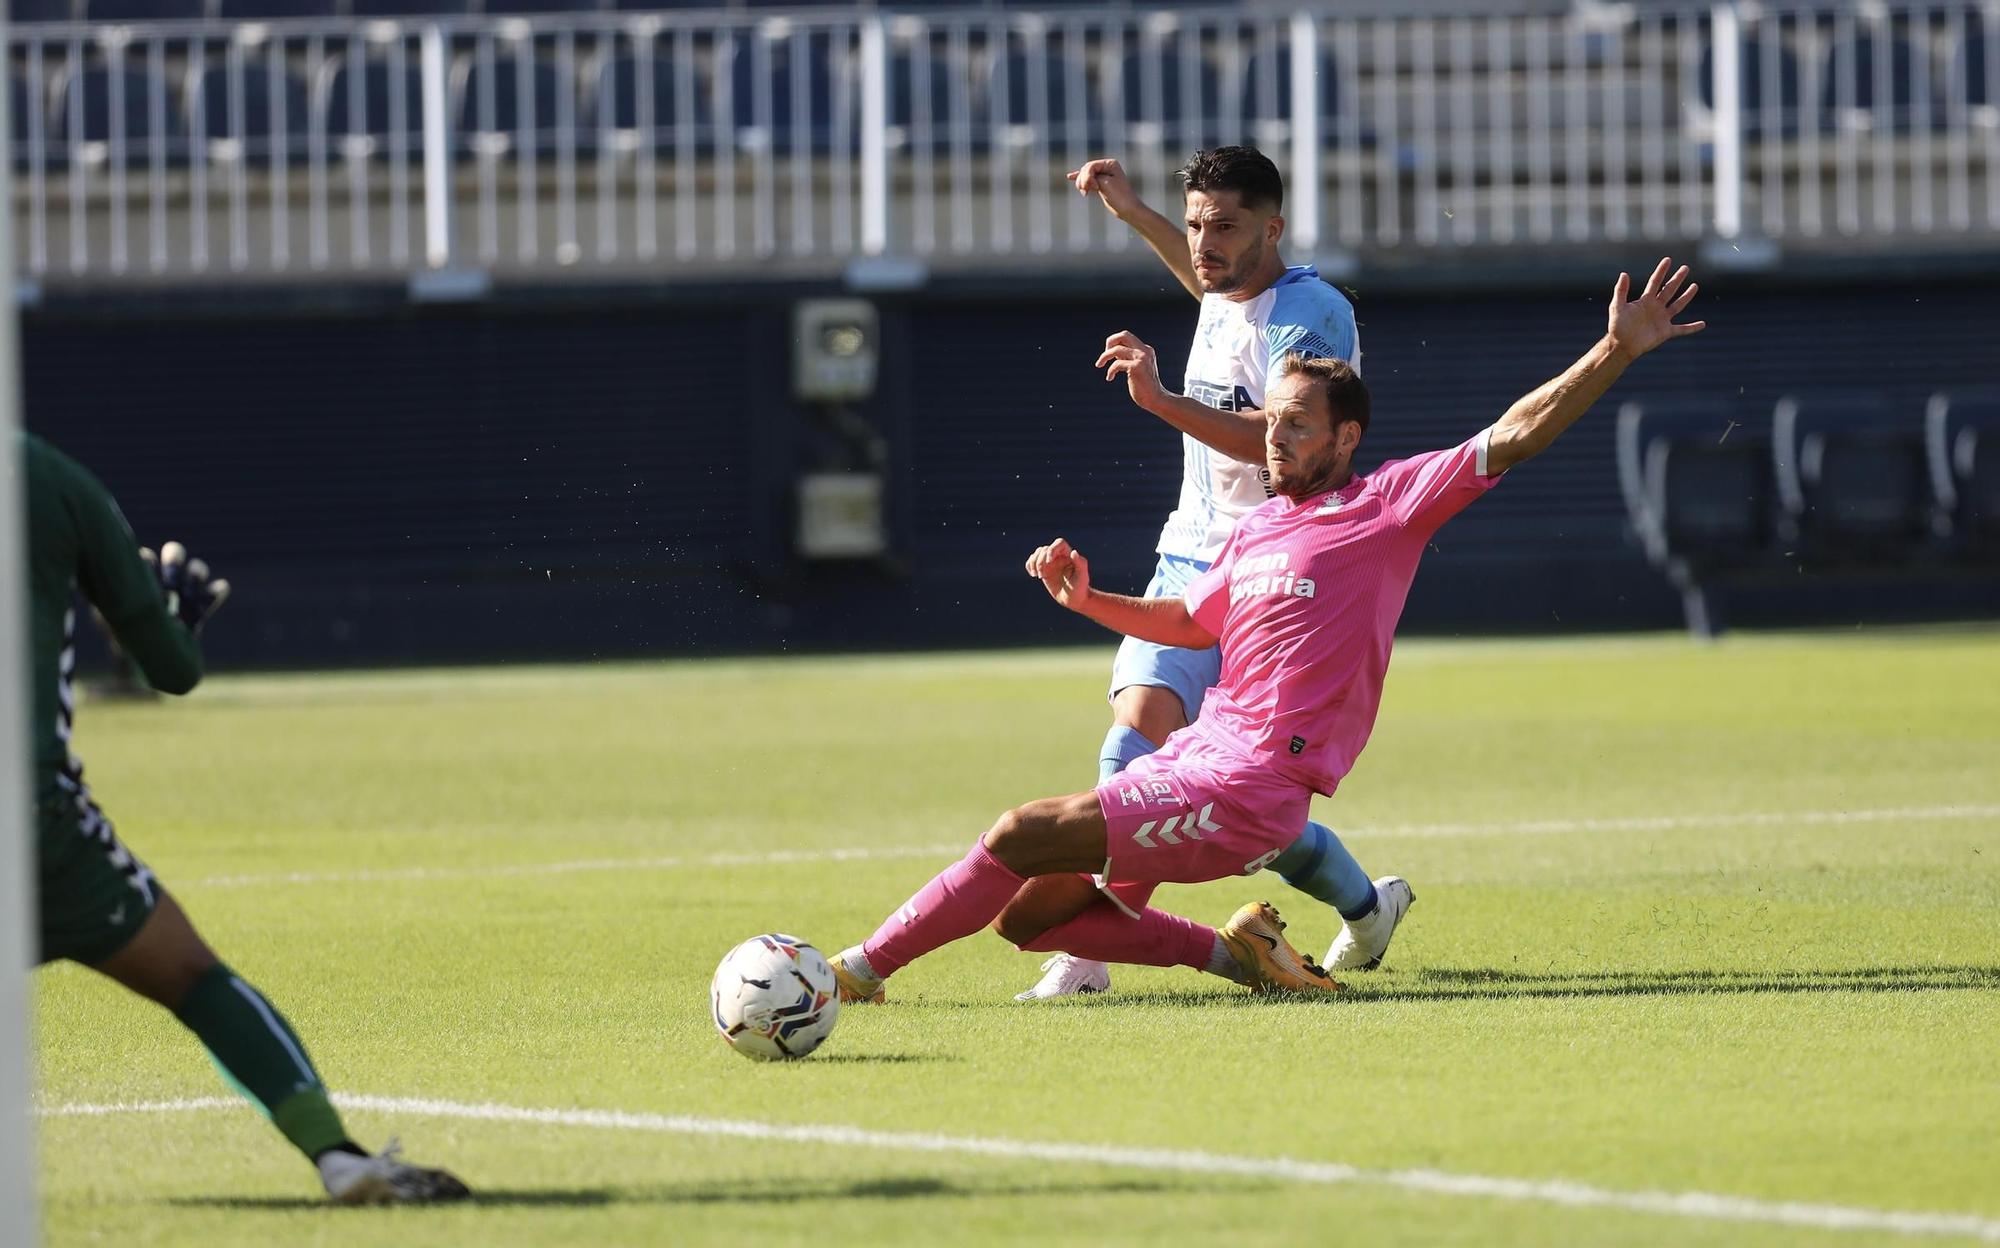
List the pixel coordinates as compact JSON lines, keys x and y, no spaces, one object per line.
{"x":1539,"y":417}
{"x":1239,"y":435}
{"x":1164,"y":621}
{"x":1167,"y":242}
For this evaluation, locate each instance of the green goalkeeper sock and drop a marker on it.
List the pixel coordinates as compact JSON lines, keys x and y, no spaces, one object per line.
{"x":261,"y":1058}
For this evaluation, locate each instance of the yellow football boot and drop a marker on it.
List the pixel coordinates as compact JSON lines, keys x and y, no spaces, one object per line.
{"x":1255,"y":937}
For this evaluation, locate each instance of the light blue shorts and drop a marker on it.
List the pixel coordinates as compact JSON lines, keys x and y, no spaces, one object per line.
{"x":1189,"y":673}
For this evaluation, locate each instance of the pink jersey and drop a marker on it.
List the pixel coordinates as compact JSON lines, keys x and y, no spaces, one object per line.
{"x":1305,"y":597}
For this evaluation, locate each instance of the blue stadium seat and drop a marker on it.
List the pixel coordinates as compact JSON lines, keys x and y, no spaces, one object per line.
{"x":93,"y":86}
{"x":409,"y":8}
{"x":1862,"y":105}
{"x":944,"y":75}
{"x":613,"y":101}
{"x":1771,"y":101}
{"x":1065,"y":99}
{"x":248,"y":10}
{"x":1969,"y":61}
{"x":362,"y":106}
{"x":512,"y":107}
{"x":1190,"y":104}
{"x":1853,"y":477}
{"x":1962,"y":441}
{"x":782,"y":134}
{"x":1271,"y":124}
{"x":269,"y":117}
{"x":542,"y":6}
{"x":43,"y":11}
{"x":1697,"y":484}
{"x":144,"y":10}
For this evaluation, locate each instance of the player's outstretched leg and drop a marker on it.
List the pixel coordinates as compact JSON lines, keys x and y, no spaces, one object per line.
{"x":263,"y":1059}
{"x":1103,"y":933}
{"x":1054,"y":835}
{"x":1320,"y":866}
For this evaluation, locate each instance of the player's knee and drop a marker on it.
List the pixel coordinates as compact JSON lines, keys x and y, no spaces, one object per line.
{"x":1012,"y":836}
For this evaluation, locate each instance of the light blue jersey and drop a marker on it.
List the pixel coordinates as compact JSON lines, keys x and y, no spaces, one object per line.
{"x":1237,"y":347}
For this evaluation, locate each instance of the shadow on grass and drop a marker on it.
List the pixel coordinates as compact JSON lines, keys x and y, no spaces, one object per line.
{"x":1447,"y":984}
{"x":882,"y":1059}
{"x":910,"y":1187}
{"x":1493,"y":984}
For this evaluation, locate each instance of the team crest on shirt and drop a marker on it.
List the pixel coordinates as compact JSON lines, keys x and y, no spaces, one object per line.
{"x":1268,"y":576}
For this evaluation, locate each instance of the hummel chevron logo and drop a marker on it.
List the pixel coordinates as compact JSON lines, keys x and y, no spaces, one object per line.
{"x":1190,"y":825}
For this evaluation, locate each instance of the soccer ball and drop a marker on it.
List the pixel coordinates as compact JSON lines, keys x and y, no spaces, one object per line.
{"x":774,"y":998}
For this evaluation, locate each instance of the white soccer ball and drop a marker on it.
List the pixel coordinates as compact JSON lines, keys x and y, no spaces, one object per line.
{"x":774,"y":998}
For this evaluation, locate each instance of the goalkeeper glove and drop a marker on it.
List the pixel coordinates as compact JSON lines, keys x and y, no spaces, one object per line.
{"x":192,"y":593}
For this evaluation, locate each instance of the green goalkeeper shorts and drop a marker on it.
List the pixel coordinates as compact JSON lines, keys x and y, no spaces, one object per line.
{"x":94,"y":895}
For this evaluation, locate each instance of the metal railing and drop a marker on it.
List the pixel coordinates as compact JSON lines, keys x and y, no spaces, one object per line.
{"x":688,"y":143}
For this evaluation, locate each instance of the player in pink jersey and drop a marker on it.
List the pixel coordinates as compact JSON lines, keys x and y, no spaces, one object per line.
{"x":1304,"y":600}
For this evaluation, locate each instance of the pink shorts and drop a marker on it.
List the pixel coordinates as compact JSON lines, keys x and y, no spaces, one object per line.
{"x":1187,"y":815}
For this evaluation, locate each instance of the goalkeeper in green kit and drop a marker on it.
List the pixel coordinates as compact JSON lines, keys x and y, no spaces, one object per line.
{"x":98,"y":904}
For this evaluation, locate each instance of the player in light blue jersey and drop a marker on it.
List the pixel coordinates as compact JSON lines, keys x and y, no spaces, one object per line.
{"x":1254,"y":310}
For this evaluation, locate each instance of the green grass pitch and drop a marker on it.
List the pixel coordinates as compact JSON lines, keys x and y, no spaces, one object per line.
{"x":1719,"y":920}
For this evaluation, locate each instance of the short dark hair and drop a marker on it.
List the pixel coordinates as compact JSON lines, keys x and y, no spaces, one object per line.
{"x":1346,"y":394}
{"x":1244,"y":170}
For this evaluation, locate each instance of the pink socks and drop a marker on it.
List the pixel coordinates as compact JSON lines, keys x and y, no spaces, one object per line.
{"x":959,"y":900}
{"x":1156,"y":938}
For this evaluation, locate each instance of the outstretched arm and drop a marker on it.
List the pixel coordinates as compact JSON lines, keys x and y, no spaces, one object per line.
{"x":1106,"y":178}
{"x":1239,"y":435}
{"x":1539,"y":417}
{"x":1065,"y":573}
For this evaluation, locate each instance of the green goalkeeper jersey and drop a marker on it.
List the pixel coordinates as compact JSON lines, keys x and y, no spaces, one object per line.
{"x":78,"y":540}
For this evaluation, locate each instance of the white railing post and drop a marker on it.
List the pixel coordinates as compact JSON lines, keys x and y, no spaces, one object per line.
{"x":18,"y":1216}
{"x":1303,"y":219}
{"x":437,"y":152}
{"x":1726,"y":35}
{"x":874,"y":135}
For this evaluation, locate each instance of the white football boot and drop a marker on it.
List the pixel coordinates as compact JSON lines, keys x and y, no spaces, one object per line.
{"x":1362,"y":942}
{"x":1065,"y":975}
{"x":385,"y":1179}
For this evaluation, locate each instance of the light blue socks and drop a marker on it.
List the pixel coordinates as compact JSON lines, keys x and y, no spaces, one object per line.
{"x":1121,"y":746}
{"x":1318,"y":865}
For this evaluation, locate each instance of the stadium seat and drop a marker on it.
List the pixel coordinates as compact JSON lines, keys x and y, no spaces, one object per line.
{"x":541,"y":6}
{"x":145,"y":10}
{"x":1850,"y":97}
{"x":1770,"y":95}
{"x":945,"y":76}
{"x":409,"y":8}
{"x":269,"y":117}
{"x":1697,"y":486}
{"x":1968,"y":77}
{"x":536,"y":107}
{"x":1190,"y":103}
{"x":1066,"y":100}
{"x":1962,"y":442}
{"x":22,"y":11}
{"x":1271,"y":123}
{"x":93,"y":86}
{"x":760,"y":66}
{"x":1853,"y":478}
{"x":248,"y":10}
{"x":360,"y":108}
{"x":613,"y":104}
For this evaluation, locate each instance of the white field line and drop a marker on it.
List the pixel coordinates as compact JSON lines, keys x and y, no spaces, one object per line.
{"x":1702,"y":1206}
{"x":1543,"y":827}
